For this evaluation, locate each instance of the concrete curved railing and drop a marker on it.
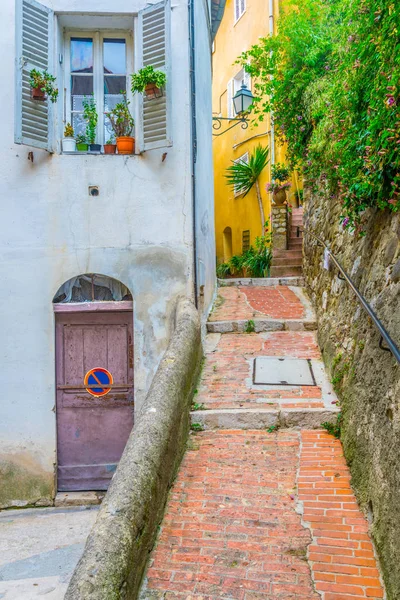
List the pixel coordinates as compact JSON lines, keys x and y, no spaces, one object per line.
{"x":117,"y":549}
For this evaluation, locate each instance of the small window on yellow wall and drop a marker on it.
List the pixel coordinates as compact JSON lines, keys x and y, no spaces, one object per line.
{"x":245,"y":240}
{"x":240,"y":7}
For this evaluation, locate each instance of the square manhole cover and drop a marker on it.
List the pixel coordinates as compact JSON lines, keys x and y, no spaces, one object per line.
{"x":282,"y":371}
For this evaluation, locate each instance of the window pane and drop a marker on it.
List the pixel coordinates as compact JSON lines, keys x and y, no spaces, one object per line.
{"x":81,"y":55}
{"x":79,"y":124}
{"x":114,"y":56}
{"x":114,"y":84}
{"x":81,"y":85}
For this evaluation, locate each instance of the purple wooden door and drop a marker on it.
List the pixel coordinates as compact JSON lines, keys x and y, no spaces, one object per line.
{"x":92,"y":431}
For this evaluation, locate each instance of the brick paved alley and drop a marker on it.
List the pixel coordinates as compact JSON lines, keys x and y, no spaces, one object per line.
{"x":262,"y":507}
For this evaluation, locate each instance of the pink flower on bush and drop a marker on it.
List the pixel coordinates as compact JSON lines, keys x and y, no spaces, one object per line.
{"x":391,"y":101}
{"x":345,"y":222}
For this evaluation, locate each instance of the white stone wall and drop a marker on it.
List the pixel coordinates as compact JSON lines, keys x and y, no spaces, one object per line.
{"x":138,"y":230}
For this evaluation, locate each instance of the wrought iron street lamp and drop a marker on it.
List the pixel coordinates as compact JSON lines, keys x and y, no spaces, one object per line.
{"x":242,"y":101}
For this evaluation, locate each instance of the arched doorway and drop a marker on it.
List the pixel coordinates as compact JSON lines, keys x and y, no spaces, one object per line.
{"x":94,"y":377}
{"x":227,"y":243}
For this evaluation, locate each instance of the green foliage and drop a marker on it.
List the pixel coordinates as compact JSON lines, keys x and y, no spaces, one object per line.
{"x":197,"y":427}
{"x":197,"y":406}
{"x":255,"y":262}
{"x":110,"y":142}
{"x":280,"y":172}
{"x":250,"y":326}
{"x":334,"y":428}
{"x":331,"y":76}
{"x":81,"y":139}
{"x":272,"y":428}
{"x":44,"y":81}
{"x":91,"y":117}
{"x":121,"y":119}
{"x":69,"y":130}
{"x":146,"y":76}
{"x":242,"y":176}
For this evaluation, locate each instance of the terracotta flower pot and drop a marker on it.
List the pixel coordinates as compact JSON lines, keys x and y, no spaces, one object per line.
{"x":280,"y":197}
{"x":38,"y":94}
{"x":152,"y":91}
{"x":110,"y":148}
{"x":126,"y":145}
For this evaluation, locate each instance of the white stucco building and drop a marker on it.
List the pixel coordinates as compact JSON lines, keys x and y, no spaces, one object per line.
{"x":150,"y":226}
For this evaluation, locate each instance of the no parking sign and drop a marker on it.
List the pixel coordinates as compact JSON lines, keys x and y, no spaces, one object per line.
{"x":97,"y":382}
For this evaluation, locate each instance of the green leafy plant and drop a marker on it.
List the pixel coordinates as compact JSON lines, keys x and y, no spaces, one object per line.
{"x":250,"y":326}
{"x":146,"y":76}
{"x":244,"y":175}
{"x":223,"y":270}
{"x":81,"y":139}
{"x":196,"y":406}
{"x":334,"y":428}
{"x":197,"y":427}
{"x":272,"y":428}
{"x":69,"y":131}
{"x":331,"y":77}
{"x":280,"y":172}
{"x":110,"y":142}
{"x":91,"y":117}
{"x":121,"y":119}
{"x":45,"y":82}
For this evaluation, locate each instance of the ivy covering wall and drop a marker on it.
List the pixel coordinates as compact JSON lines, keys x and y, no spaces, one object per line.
{"x":331,"y":78}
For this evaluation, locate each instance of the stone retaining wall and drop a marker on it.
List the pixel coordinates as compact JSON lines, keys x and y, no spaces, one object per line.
{"x":119,"y":544}
{"x":280,"y":227}
{"x":366,"y":378}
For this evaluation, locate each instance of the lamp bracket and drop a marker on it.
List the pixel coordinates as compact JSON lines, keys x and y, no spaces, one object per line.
{"x":218,"y":124}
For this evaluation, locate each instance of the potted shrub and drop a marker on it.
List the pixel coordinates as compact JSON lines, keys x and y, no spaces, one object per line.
{"x":91,"y":117}
{"x":122,"y":123}
{"x":148,"y":81}
{"x":278,"y":187}
{"x":68,"y":141}
{"x":110,"y":147}
{"x":81,"y":143}
{"x":42,"y":85}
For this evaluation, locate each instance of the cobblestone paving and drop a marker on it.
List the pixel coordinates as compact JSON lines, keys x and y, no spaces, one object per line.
{"x":257,"y":302}
{"x":261,"y":515}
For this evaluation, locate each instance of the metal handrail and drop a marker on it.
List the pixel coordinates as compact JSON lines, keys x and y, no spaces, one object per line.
{"x":392,"y":347}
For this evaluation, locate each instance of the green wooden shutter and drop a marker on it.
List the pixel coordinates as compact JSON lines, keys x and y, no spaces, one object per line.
{"x":34,"y":49}
{"x":154,"y":30}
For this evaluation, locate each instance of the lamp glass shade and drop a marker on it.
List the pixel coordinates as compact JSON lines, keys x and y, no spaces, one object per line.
{"x":242,"y":100}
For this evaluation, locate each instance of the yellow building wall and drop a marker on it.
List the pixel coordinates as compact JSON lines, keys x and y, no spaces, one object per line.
{"x":238,"y":213}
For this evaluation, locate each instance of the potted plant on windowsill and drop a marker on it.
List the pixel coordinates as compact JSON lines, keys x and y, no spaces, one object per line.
{"x":42,"y":86}
{"x":81,"y":143}
{"x":110,"y":147}
{"x":91,"y":117}
{"x":278,"y":187}
{"x":68,"y":141}
{"x":148,"y":81}
{"x":122,"y":123}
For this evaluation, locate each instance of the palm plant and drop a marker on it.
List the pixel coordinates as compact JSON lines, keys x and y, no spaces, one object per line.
{"x":244,"y":175}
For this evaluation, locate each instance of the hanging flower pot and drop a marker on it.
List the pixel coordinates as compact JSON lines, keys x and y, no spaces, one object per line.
{"x":126,"y":144}
{"x":38,"y":94}
{"x":149,"y":82}
{"x":152,"y":91}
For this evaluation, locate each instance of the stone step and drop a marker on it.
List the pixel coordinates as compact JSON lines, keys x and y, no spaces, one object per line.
{"x":264,"y":418}
{"x":289,"y":260}
{"x":294,"y":281}
{"x":240,"y":326}
{"x":78,"y":498}
{"x":295,"y":244}
{"x":287,"y":254}
{"x":286,"y":271}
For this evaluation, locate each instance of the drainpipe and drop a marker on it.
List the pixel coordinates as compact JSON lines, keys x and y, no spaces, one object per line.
{"x":193,"y":141}
{"x":271,"y":32}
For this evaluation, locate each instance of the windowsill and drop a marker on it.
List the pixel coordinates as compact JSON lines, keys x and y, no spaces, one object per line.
{"x":93,"y":154}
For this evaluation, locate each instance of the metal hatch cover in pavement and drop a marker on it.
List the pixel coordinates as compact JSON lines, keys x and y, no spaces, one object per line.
{"x":282,"y":371}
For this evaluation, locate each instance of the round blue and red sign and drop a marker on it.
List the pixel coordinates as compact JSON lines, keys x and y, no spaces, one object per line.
{"x":97,"y":381}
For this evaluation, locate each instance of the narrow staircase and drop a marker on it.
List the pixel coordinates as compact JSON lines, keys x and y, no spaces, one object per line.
{"x":262,"y":507}
{"x":288,"y":263}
